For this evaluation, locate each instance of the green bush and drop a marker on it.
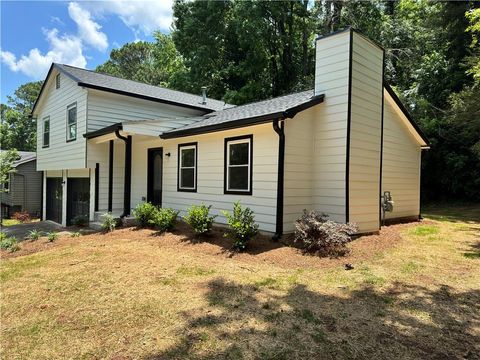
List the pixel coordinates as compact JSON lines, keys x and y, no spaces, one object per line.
{"x":34,"y":235}
{"x":199,"y":219}
{"x":80,"y":220}
{"x":75,"y":234}
{"x":164,"y":219}
{"x":109,"y":222}
{"x":242,"y":226}
{"x":8,"y":243}
{"x":52,"y":236}
{"x":143,"y":213}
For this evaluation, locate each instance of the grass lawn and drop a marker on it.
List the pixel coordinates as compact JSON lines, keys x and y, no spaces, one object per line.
{"x":10,"y":222}
{"x":414,"y":292}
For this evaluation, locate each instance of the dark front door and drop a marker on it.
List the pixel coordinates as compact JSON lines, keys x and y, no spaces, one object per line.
{"x":53,"y":201}
{"x":155,"y":171}
{"x":78,"y":198}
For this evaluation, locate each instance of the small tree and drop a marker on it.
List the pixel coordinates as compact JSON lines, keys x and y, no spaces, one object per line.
{"x":7,"y":158}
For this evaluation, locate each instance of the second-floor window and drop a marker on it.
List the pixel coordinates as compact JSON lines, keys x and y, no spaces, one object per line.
{"x":72,"y":122}
{"x":46,"y":131}
{"x":57,"y":81}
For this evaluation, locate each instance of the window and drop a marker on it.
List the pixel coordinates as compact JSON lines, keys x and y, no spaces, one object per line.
{"x":72,"y":122}
{"x":46,"y":131}
{"x":57,"y":81}
{"x":238,"y":165}
{"x":187,"y":167}
{"x":6,"y":184}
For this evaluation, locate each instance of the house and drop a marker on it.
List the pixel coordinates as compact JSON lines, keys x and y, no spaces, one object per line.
{"x":108,"y":144}
{"x":23,"y":189}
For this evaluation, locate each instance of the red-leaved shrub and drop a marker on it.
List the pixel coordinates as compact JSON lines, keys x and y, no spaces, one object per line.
{"x":21,"y":216}
{"x":321,"y":236}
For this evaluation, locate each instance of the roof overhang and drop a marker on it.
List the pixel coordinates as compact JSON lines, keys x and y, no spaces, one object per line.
{"x":412,"y":126}
{"x":256,"y":120}
{"x":103,"y":131}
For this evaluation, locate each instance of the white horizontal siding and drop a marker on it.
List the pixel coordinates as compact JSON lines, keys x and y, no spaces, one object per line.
{"x":211,"y":173}
{"x":330,"y":126}
{"x":401,"y":164}
{"x":61,"y":154}
{"x":105,"y":109}
{"x":365,"y":134}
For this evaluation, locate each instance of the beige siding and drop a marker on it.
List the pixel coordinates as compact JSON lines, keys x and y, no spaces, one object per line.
{"x":365,"y":134}
{"x":330,"y":130}
{"x":61,"y":154}
{"x":105,"y":109}
{"x":210,"y":173}
{"x":298,"y":187}
{"x":401,"y":164}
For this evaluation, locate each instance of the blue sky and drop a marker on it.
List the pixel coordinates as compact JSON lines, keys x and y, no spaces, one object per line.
{"x":78,"y":33}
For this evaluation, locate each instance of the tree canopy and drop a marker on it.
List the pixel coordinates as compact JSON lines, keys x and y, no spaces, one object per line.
{"x":244,"y":51}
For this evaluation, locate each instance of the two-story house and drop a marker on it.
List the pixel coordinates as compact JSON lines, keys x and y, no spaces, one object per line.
{"x":107,"y":144}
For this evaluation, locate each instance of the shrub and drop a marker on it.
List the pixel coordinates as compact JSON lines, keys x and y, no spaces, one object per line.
{"x":321,"y":236}
{"x":75,"y":234}
{"x":34,"y":235}
{"x":242,"y":226}
{"x":199,"y":219}
{"x":8,"y":243}
{"x":164,"y":219}
{"x":143,"y":213}
{"x":21,"y":216}
{"x":80,"y":220}
{"x":109,"y":222}
{"x":52,"y":236}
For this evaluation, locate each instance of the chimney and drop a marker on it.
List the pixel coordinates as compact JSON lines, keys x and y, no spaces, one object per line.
{"x":204,"y":95}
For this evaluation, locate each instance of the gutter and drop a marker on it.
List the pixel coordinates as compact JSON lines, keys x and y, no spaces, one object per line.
{"x":279,"y":127}
{"x":127,"y":188}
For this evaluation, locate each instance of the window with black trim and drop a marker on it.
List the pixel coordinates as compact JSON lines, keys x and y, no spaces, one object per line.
{"x":46,"y":131}
{"x":238,"y":165}
{"x":187,"y":167}
{"x":72,"y":122}
{"x":57,"y":81}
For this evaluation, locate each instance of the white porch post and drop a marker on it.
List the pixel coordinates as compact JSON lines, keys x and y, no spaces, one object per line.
{"x":64,"y":197}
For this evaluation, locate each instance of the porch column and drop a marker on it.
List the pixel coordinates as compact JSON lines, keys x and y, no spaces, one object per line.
{"x":64,"y":197}
{"x":44,"y":195}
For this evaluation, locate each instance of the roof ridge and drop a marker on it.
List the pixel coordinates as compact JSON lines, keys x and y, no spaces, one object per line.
{"x":139,"y":82}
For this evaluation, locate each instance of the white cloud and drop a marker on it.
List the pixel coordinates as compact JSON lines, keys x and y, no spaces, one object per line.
{"x":140,"y":15}
{"x":88,"y":30}
{"x":64,"y":49}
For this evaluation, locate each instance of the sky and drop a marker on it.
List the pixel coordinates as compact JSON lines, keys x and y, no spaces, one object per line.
{"x":80,"y":33}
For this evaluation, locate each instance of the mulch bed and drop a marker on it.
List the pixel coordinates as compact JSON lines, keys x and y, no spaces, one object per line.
{"x":261,"y":250}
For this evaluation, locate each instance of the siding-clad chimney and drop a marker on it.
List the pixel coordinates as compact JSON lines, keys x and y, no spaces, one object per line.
{"x":348,"y":135}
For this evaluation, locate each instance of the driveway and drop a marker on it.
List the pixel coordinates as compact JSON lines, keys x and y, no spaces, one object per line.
{"x":21,"y":231}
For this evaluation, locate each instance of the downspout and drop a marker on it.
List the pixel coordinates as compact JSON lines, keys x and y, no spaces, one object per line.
{"x":128,"y":173}
{"x":278,"y":126}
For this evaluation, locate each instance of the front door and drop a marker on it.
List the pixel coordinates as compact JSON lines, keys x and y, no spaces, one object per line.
{"x":155,"y":170}
{"x":53,"y":200}
{"x":78,"y":198}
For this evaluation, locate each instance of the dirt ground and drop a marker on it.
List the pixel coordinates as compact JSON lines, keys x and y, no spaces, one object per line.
{"x":134,"y":294}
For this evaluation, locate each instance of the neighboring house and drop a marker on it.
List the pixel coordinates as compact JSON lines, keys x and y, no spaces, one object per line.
{"x":23,"y":190}
{"x":107,"y":144}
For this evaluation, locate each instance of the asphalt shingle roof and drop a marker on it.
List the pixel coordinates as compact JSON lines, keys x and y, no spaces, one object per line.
{"x":108,"y":82}
{"x":286,"y":106}
{"x":25,"y":156}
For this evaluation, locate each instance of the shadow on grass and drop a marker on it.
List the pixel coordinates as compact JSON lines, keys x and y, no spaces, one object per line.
{"x":453,"y":213}
{"x":248,"y":321}
{"x":473,"y":252}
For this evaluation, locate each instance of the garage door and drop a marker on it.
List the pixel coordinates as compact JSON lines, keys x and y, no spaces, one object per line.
{"x":78,"y":198}
{"x":53,"y":201}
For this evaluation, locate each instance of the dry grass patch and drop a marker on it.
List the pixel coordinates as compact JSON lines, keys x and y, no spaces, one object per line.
{"x":133,"y":294}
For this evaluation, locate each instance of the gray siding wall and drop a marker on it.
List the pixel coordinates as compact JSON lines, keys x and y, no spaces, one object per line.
{"x":25,"y":188}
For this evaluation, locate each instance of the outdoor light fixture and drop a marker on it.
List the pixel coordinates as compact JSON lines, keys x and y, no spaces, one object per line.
{"x":167,"y":154}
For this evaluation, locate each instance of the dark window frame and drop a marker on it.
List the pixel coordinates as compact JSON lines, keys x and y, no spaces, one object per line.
{"x":70,"y":107}
{"x":6,"y":184}
{"x":44,"y":120}
{"x":195,"y":172}
{"x":226,"y":165}
{"x":57,"y":81}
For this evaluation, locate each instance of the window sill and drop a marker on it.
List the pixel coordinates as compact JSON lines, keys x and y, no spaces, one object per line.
{"x":45,"y":146}
{"x":187,"y":190}
{"x":70,"y":140}
{"x":237,"y":192}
